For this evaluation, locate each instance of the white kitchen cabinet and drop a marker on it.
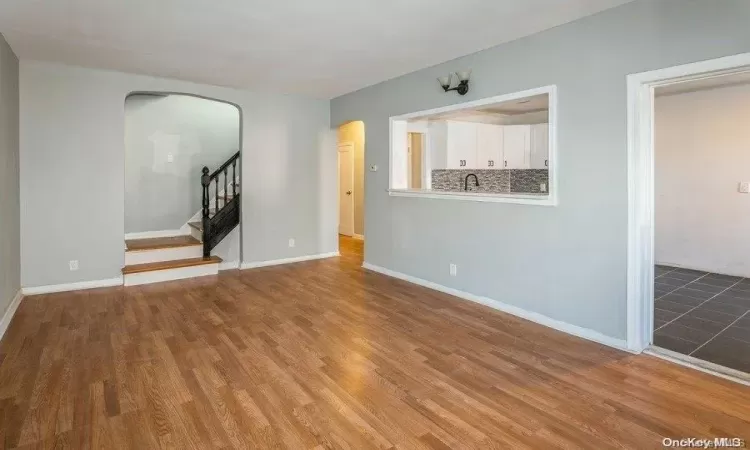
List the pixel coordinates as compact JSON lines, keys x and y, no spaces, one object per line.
{"x":539,"y":156}
{"x":489,"y":146}
{"x":462,"y":145}
{"x":516,"y":146}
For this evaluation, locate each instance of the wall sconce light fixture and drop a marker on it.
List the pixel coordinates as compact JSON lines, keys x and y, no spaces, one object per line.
{"x":463,"y":82}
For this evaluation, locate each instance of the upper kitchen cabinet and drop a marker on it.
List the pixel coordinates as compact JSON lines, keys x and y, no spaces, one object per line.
{"x":489,"y":146}
{"x":470,"y":145}
{"x":453,"y":145}
{"x":516,"y":146}
{"x":539,"y":157}
{"x":462,"y":145}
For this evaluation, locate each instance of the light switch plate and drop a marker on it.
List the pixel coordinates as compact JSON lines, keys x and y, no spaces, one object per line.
{"x":744,"y":187}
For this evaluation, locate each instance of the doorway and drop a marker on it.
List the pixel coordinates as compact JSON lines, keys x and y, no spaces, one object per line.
{"x":169,"y":138}
{"x":346,"y":189}
{"x":696,"y":287}
{"x":415,"y":157}
{"x":351,"y":193}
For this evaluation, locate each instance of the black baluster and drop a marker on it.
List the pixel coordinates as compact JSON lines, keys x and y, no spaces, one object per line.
{"x":226,"y":190}
{"x":216,"y":206}
{"x":234,"y":178}
{"x":205,"y":182}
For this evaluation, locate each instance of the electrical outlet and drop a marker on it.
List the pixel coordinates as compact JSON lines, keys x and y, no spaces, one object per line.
{"x":291,"y":243}
{"x":543,"y":187}
{"x":744,"y":187}
{"x":73,"y":265}
{"x":170,"y":158}
{"x":453,"y":270}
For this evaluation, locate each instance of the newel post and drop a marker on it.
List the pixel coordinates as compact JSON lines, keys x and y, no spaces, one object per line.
{"x":205,"y":182}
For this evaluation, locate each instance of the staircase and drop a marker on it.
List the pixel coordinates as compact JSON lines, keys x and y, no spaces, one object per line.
{"x":188,"y":256}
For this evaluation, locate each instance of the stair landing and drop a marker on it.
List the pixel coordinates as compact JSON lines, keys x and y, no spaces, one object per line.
{"x":133,"y":245}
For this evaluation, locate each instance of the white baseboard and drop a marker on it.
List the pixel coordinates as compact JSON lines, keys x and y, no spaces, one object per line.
{"x":276,"y":262}
{"x":229,"y":265}
{"x":72,"y":286}
{"x":359,"y":237}
{"x":702,"y":269}
{"x":565,"y":327}
{"x":9,"y":313}
{"x":700,"y":365}
{"x":157,"y":234}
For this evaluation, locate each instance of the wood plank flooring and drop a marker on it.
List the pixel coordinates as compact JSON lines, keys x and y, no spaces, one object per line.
{"x":324,"y":354}
{"x":159,"y":243}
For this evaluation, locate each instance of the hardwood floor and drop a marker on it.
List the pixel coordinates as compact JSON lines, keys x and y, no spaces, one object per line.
{"x":325,"y":354}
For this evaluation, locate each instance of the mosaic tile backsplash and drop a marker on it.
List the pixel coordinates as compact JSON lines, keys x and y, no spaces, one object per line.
{"x":495,"y":181}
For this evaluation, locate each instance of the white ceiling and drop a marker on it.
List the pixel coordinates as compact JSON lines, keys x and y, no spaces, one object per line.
{"x":322,"y":48}
{"x":489,"y":113}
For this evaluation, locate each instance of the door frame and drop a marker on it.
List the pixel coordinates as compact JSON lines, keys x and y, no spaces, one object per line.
{"x":640,"y":110}
{"x":349,"y":144}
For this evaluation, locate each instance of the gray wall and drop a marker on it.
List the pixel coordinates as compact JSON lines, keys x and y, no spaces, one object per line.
{"x":163,"y":195}
{"x":10,"y":272}
{"x":566,"y":262}
{"x":73,"y":171}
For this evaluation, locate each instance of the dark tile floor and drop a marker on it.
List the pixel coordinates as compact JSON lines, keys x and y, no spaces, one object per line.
{"x":704,"y":315}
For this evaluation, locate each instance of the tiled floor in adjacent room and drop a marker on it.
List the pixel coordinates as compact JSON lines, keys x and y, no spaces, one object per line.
{"x":704,"y":315}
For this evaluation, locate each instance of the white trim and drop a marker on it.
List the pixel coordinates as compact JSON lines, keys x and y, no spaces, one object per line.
{"x":276,"y":262}
{"x":640,"y":263}
{"x":81,"y":285}
{"x":157,"y":234}
{"x":229,"y":265}
{"x":9,"y":313}
{"x":359,"y":237}
{"x":170,"y":274}
{"x":699,"y":365}
{"x":521,"y":199}
{"x":565,"y":327}
{"x":551,"y":199}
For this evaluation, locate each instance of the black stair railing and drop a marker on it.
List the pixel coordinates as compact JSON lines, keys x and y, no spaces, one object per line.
{"x":225,"y":215}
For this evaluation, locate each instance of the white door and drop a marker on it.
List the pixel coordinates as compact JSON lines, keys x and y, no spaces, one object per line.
{"x":462,"y":145}
{"x":346,"y":189}
{"x":540,"y":146}
{"x":516,"y":146}
{"x":489,"y":146}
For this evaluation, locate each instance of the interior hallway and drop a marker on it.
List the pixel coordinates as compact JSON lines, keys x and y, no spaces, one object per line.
{"x":324,"y":353}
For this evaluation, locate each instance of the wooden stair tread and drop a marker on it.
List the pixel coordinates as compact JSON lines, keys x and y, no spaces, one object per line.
{"x":164,"y":265}
{"x":136,"y":245}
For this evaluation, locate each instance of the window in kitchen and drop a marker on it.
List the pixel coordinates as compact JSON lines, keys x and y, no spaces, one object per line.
{"x":499,"y":149}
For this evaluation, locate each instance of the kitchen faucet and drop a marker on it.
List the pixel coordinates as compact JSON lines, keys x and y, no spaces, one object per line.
{"x":466,"y":181}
